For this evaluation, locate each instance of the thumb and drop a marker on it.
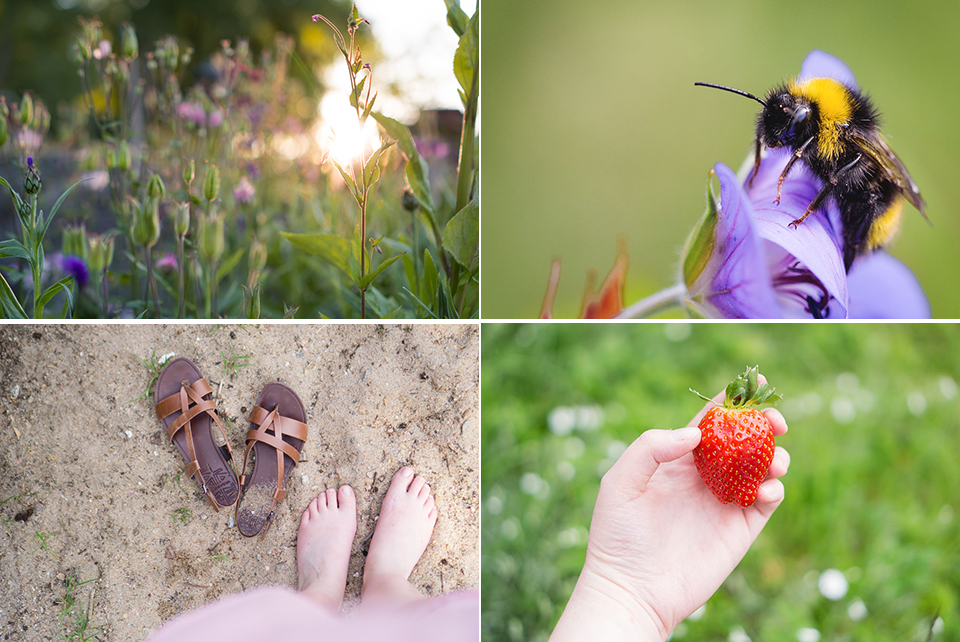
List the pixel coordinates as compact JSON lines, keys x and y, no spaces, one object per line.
{"x":640,"y":461}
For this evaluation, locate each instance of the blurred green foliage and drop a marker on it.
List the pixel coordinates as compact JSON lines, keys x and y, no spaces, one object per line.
{"x":599,"y":130}
{"x":872,"y":487}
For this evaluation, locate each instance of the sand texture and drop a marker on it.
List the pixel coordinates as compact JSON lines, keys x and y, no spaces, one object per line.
{"x":104,"y":500}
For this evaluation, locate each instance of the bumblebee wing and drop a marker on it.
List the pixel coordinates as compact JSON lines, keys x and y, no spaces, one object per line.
{"x":877,"y":148}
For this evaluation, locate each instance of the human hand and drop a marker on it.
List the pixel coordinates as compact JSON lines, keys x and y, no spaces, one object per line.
{"x":660,"y":543}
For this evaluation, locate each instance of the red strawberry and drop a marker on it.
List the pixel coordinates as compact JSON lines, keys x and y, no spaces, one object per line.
{"x":736,"y":443}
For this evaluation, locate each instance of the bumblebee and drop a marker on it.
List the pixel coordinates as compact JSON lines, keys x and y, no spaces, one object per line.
{"x":834,"y":130}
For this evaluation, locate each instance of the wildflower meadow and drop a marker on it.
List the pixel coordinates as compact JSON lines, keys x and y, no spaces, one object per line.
{"x":178,"y":185}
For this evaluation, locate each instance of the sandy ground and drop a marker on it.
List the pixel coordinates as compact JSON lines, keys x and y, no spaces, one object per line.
{"x":101,"y":477}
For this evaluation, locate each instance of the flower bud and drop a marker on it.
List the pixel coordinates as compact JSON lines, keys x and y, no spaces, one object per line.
{"x":258,"y":255}
{"x":181,"y":219}
{"x":4,"y":110}
{"x":75,"y":241}
{"x":111,"y":158}
{"x":699,"y":247}
{"x":31,"y":182}
{"x":123,"y":156}
{"x":211,"y":184}
{"x":146,"y":223}
{"x":189,"y":172}
{"x":101,"y":253}
{"x":129,"y":46}
{"x":155,"y":187}
{"x":211,"y":237}
{"x":4,"y":130}
{"x":26,"y":110}
{"x":251,"y":301}
{"x":409,"y":201}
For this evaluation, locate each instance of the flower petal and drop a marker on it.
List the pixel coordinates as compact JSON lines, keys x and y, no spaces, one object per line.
{"x":741,"y":288}
{"x":881,"y":287}
{"x":816,"y":243}
{"x":820,"y":64}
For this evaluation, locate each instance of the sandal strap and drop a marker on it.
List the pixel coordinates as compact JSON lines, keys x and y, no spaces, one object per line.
{"x":280,"y":426}
{"x":196,"y":392}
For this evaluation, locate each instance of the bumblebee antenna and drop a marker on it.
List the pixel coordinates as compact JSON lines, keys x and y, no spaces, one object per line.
{"x":732,"y":90}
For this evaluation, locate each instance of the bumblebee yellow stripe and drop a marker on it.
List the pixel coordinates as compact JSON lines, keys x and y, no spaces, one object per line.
{"x":886,"y":225}
{"x":833,"y":102}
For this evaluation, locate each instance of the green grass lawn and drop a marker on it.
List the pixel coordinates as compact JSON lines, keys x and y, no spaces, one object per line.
{"x":873,"y":488}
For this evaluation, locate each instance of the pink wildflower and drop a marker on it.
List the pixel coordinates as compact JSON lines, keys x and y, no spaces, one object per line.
{"x":244,"y":191}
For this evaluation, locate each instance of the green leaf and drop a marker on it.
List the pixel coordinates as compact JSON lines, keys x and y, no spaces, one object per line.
{"x":13,"y":248}
{"x":17,"y":201}
{"x":359,"y":91}
{"x":398,"y":132}
{"x":698,"y":249}
{"x":431,"y":277}
{"x":333,"y":249}
{"x":461,"y":236}
{"x":466,"y":59}
{"x":63,"y":284}
{"x":348,"y":179}
{"x":56,"y":206}
{"x":369,"y":107}
{"x":456,"y":17}
{"x":411,"y":271}
{"x":392,"y":314}
{"x":231,"y":263}
{"x":425,"y":307}
{"x":368,"y":279}
{"x":416,"y":174}
{"x":8,"y":300}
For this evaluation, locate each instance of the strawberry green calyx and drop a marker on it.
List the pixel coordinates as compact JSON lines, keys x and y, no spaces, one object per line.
{"x":746,"y":390}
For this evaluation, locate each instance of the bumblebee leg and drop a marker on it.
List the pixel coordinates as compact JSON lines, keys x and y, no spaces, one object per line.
{"x":825,"y":191}
{"x":793,"y":159}
{"x":756,"y":164}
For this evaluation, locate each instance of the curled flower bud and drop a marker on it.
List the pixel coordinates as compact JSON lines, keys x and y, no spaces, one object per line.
{"x":409,"y":201}
{"x":258,"y":255}
{"x":181,"y":219}
{"x":155,"y":187}
{"x":129,"y":46}
{"x":26,"y":110}
{"x":189,"y":171}
{"x":101,"y":253}
{"x":4,"y":128}
{"x":123,"y":156}
{"x":251,"y":301}
{"x":146,"y":223}
{"x":211,"y":237}
{"x":75,"y":241}
{"x":31,"y":182}
{"x":211,"y":184}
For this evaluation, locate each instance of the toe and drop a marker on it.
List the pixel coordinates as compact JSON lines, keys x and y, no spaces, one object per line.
{"x":417,"y":484}
{"x":347,"y":500}
{"x":424,"y":492}
{"x":331,"y":495}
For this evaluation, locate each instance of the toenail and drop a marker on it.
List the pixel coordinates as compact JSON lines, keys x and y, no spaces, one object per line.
{"x":406,"y":472}
{"x":346,"y":490}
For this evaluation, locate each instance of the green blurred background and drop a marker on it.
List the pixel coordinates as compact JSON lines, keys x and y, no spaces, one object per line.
{"x":874,"y":417}
{"x":594,"y":128}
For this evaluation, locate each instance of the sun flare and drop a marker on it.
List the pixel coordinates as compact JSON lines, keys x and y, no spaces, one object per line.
{"x":338,"y":131}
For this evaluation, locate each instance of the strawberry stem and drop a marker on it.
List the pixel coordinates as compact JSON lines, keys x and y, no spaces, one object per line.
{"x":746,"y":390}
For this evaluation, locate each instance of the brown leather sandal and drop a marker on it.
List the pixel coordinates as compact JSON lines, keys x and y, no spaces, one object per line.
{"x":184,"y":407}
{"x":275,"y":437}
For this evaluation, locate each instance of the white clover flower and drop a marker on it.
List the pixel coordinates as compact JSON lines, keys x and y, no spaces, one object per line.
{"x":808,"y":635}
{"x":832,"y":584}
{"x":857,"y":611}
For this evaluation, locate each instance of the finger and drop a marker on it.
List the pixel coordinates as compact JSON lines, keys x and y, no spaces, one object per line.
{"x":769,"y":496}
{"x":640,"y":461}
{"x":780,"y":463}
{"x":716,"y":401}
{"x":777,"y":422}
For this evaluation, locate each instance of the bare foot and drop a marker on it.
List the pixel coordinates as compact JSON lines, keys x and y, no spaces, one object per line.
{"x":324,"y":542}
{"x":403,"y":531}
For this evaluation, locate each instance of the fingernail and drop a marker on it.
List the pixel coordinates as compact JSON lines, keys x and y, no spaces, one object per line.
{"x":683,"y":434}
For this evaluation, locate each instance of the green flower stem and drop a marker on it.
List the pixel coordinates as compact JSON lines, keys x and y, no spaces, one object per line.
{"x":152,"y":291}
{"x":180,"y":268}
{"x":210,"y":291}
{"x":655,"y":303}
{"x":103,"y":286}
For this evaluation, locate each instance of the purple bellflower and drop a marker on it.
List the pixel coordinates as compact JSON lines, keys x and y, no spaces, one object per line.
{"x":76,"y":267}
{"x":745,"y":261}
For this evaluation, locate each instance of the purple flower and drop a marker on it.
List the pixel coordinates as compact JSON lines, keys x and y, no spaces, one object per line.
{"x":192,"y":112}
{"x":168,"y":260}
{"x":215,"y":119}
{"x":747,"y":262}
{"x":244,"y":191}
{"x":76,"y":267}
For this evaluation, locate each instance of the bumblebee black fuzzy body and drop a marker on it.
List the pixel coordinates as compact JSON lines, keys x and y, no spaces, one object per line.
{"x":834,"y":130}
